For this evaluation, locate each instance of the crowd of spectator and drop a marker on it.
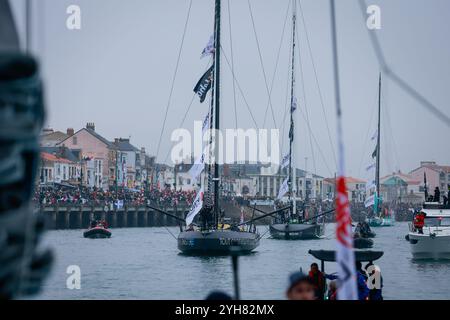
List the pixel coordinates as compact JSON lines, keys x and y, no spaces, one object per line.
{"x":67,"y":195}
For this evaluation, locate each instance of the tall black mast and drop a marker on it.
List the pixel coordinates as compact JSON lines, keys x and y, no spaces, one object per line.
{"x":377,"y":174}
{"x":217,"y":108}
{"x":291,"y":130}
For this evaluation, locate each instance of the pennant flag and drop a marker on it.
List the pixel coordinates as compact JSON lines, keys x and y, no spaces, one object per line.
{"x":285,"y":161}
{"x":370,"y":201}
{"x":375,"y":135}
{"x":371,"y":166}
{"x":209,"y":49}
{"x":291,"y":132}
{"x":205,"y":124}
{"x":204,"y":84}
{"x":283,"y":189}
{"x":294,"y":105}
{"x":345,"y":256}
{"x":196,"y":207}
{"x":374,"y":153}
{"x":198,"y":167}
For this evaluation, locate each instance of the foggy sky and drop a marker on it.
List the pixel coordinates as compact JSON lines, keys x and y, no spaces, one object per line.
{"x":117,"y":71}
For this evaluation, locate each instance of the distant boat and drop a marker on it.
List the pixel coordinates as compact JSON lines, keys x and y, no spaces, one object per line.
{"x":434,"y":240}
{"x":289,"y":225}
{"x":97,"y":231}
{"x":379,"y":220}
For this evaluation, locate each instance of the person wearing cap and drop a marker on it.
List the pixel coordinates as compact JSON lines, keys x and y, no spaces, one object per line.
{"x":300,"y":287}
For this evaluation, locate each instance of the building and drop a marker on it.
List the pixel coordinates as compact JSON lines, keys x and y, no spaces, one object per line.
{"x":400,"y":187}
{"x":437,"y":176}
{"x":98,"y":157}
{"x":56,"y":169}
{"x":356,"y":189}
{"x":51,"y":138}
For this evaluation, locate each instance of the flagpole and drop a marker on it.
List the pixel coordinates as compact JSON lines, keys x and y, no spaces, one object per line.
{"x":292,"y":173}
{"x":345,"y":256}
{"x":217,"y":109}
{"x":377,"y":174}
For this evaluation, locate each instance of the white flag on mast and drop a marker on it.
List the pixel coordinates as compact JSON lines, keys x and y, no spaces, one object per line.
{"x":285,"y":161}
{"x":199,"y":165}
{"x":196,"y":207}
{"x":209,"y":49}
{"x":284,"y":188}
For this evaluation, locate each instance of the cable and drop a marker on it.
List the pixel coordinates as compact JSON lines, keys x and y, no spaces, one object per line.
{"x":397,"y":79}
{"x":261,"y":62}
{"x":239,"y":87}
{"x":317,"y":83}
{"x":173,"y":79}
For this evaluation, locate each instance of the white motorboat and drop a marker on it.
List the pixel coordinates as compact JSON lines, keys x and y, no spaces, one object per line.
{"x":434,"y":240}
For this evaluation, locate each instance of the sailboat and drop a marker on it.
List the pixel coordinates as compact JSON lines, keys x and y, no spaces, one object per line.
{"x":379,"y":219}
{"x":289,"y":224}
{"x":203,"y":231}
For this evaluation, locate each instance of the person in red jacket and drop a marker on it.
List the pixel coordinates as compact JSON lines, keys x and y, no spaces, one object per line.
{"x":419,"y":222}
{"x":318,"y":279}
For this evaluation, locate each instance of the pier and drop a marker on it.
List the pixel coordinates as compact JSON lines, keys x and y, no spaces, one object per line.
{"x":79,"y":216}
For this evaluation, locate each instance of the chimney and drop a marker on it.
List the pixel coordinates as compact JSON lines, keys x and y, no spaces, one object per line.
{"x":90,"y":126}
{"x":70,"y":132}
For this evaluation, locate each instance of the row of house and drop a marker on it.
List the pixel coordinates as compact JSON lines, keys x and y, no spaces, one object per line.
{"x":85,"y":157}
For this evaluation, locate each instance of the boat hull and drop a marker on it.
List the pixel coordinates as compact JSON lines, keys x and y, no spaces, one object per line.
{"x":362,"y":243}
{"x":217,"y":242}
{"x":426,"y":246}
{"x":97,"y":233}
{"x":380,"y":222}
{"x":297,"y":231}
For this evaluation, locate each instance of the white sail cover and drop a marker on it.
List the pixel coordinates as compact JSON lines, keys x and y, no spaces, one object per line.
{"x":196,"y":207}
{"x":283,"y":189}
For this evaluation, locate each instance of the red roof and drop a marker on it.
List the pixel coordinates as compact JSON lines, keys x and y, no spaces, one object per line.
{"x":51,"y":157}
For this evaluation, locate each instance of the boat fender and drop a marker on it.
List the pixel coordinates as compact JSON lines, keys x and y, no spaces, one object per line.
{"x":432,"y":235}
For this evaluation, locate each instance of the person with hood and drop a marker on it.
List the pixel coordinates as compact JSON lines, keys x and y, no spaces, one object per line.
{"x":318,"y":279}
{"x":300,"y":287}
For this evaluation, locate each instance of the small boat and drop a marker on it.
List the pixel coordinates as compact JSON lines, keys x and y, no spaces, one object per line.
{"x":297,"y":231}
{"x":433,"y":241}
{"x":97,"y":231}
{"x":380,"y":222}
{"x":362,"y":243}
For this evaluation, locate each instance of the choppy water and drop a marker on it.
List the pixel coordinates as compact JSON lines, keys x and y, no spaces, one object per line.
{"x":145,"y":264}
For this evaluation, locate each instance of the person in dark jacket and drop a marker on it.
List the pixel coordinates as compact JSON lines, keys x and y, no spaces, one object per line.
{"x":361,"y":278}
{"x":318,"y":279}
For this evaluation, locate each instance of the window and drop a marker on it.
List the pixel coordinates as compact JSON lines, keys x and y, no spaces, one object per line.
{"x":74,"y":140}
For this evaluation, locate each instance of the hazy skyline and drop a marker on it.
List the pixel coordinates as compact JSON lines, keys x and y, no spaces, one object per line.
{"x":117,"y":70}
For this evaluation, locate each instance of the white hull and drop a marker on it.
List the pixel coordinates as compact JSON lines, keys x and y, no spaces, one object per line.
{"x":430,"y":245}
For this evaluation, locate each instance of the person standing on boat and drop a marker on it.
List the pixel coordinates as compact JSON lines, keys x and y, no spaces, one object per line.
{"x":318,"y":279}
{"x":419,"y":222}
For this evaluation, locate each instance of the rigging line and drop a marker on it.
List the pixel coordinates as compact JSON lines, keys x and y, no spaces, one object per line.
{"x":317,"y":82}
{"x":317,"y":144}
{"x":368,"y":133}
{"x":277,"y":60}
{"x":170,"y":232}
{"x":397,"y":79}
{"x":232,"y":64}
{"x":262,"y":64}
{"x":239,"y":87}
{"x":306,"y":104}
{"x":174,"y":78}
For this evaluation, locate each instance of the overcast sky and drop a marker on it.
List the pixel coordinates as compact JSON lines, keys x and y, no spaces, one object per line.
{"x":117,"y":72}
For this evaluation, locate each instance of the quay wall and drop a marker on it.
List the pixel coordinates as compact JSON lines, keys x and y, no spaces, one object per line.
{"x":79,"y":216}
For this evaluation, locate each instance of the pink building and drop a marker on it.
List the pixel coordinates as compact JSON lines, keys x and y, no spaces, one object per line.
{"x":437,"y":176}
{"x":98,"y":156}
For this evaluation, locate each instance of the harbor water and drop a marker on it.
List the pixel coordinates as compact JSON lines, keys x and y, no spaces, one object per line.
{"x":144,"y":263}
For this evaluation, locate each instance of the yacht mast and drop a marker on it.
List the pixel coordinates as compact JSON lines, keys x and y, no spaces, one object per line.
{"x":377,"y":174}
{"x":292,"y":172}
{"x":217,"y":107}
